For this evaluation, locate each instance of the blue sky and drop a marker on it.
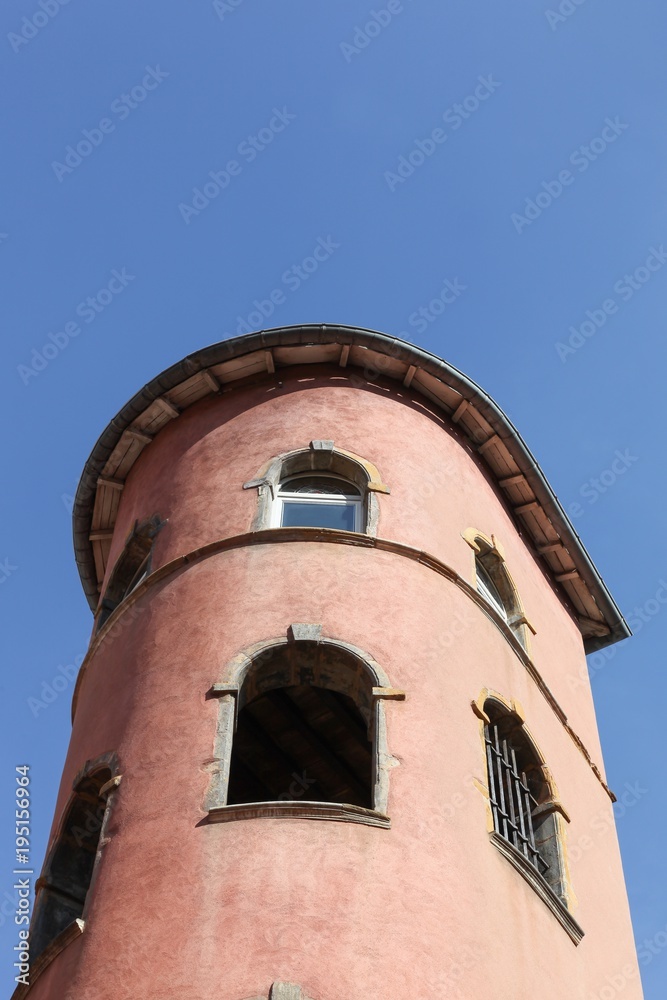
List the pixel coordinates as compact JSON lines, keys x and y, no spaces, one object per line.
{"x":540,"y":198}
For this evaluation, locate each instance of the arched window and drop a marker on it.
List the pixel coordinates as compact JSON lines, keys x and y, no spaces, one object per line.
{"x":494,"y":583}
{"x":304,"y":734}
{"x":523,"y":806}
{"x":133,"y":566}
{"x":318,"y":501}
{"x":320,"y":486}
{"x":68,"y":871}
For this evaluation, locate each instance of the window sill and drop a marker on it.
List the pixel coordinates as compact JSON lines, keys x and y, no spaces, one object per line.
{"x":71,"y":933}
{"x":338,"y":812}
{"x":541,"y":887}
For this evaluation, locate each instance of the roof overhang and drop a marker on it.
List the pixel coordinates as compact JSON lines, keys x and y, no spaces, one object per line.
{"x":520,"y":480}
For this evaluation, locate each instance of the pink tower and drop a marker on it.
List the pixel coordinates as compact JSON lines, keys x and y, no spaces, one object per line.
{"x":333,"y":737}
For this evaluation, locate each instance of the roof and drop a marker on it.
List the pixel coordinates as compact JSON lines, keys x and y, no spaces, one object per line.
{"x":528,"y":495}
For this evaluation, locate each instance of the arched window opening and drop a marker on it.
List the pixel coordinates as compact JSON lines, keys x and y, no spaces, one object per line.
{"x":523,"y":808}
{"x":305,"y":731}
{"x":132,"y":567}
{"x":488,"y":589}
{"x":68,"y":872}
{"x":320,"y":486}
{"x":495,"y":585}
{"x":318,"y":501}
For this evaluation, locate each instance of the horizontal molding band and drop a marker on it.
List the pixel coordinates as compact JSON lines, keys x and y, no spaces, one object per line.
{"x":271,"y":536}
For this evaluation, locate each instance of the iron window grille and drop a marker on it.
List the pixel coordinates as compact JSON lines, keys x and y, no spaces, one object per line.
{"x":512,"y":802}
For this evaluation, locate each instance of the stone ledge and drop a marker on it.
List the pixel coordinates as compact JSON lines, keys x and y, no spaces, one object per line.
{"x":541,"y":887}
{"x":338,"y":812}
{"x":66,"y":936}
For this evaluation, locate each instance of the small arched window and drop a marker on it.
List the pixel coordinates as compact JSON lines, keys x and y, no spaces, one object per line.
{"x":495,"y":585}
{"x":523,"y":806}
{"x":68,"y":871}
{"x":318,"y":501}
{"x":318,"y":487}
{"x":132,"y":567}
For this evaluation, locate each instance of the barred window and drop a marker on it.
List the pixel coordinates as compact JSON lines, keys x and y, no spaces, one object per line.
{"x":512,"y":801}
{"x":522,"y":804}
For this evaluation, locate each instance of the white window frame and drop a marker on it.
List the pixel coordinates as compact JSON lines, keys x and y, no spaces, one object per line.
{"x":487,"y":588}
{"x":357,"y":503}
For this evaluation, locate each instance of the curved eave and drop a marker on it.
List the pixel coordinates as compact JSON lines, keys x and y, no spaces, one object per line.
{"x":535,"y":507}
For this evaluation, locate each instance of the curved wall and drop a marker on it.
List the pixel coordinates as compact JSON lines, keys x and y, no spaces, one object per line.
{"x":193,"y":910}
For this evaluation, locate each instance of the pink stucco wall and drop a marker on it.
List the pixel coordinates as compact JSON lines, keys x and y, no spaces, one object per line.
{"x":428,"y":909}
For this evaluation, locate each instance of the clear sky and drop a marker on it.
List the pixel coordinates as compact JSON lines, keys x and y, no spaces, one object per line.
{"x":515,"y":153}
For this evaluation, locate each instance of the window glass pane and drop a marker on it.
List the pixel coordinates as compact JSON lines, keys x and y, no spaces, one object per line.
{"x":327,"y":485}
{"x":488,"y":590}
{"x":318,"y":515}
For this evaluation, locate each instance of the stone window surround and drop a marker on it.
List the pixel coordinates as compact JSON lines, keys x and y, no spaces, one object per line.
{"x":491,"y":554}
{"x":106,"y":761}
{"x":227,"y":691}
{"x":319,"y":456}
{"x":138,"y":549}
{"x":561,"y":907}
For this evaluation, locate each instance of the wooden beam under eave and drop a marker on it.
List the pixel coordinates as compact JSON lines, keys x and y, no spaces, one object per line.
{"x":489,"y":443}
{"x":112,"y":484}
{"x":564,"y":577}
{"x":270,"y":364}
{"x":168,"y":407}
{"x":543,"y":550}
{"x":344,"y":355}
{"x":512,"y":481}
{"x":592,"y":627}
{"x":526,"y":508}
{"x":138,"y":435}
{"x":460,"y":410}
{"x":211,"y":381}
{"x":409,"y":375}
{"x":103,"y":535}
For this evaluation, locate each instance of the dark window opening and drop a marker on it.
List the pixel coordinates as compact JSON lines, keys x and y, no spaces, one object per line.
{"x":302,"y":741}
{"x":69,"y":869}
{"x":520,"y":796}
{"x":133,"y":566}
